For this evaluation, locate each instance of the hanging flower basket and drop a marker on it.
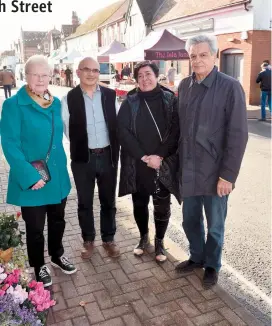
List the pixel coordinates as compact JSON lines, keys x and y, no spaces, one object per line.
{"x":6,"y":255}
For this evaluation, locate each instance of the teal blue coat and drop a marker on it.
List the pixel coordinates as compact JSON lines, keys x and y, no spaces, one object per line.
{"x":25,"y":135}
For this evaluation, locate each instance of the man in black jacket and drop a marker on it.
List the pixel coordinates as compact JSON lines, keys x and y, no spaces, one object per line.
{"x":213,"y":138}
{"x":90,"y":116}
{"x":264,"y":78}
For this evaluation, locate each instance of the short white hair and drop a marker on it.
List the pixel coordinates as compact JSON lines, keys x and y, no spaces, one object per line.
{"x":37,"y":60}
{"x":211,"y":40}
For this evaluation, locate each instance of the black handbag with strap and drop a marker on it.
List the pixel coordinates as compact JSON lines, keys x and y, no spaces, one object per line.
{"x":41,"y":165}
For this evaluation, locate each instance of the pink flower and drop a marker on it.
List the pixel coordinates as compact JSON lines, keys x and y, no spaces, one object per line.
{"x":13,"y":278}
{"x":40,"y":298}
{"x":32,"y":284}
{"x":5,"y":287}
{"x":18,"y":214}
{"x":2,"y":293}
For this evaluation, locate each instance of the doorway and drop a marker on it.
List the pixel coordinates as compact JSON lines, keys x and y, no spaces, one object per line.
{"x":233,"y":63}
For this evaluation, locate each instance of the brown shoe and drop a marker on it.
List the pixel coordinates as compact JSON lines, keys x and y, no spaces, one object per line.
{"x":111,"y":248}
{"x":87,"y":250}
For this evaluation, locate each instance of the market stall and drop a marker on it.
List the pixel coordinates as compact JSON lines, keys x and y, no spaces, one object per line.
{"x":158,"y":45}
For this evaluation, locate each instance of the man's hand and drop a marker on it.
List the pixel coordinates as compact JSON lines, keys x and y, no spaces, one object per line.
{"x":154,"y":162}
{"x":224,"y":188}
{"x":40,"y":184}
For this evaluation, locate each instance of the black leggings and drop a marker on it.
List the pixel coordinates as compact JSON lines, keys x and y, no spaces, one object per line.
{"x":162,"y":212}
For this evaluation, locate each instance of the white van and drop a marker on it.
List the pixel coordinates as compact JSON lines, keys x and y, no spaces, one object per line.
{"x":107,"y":72}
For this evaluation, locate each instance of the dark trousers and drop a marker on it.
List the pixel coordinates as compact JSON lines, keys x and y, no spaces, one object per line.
{"x":215,"y":207}
{"x":68,"y":82}
{"x":85,"y":174}
{"x":34,"y":218}
{"x":7,"y":90}
{"x":162,"y":212}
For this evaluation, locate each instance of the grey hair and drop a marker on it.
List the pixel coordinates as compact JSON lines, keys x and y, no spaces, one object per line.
{"x":37,"y":59}
{"x":210,"y":39}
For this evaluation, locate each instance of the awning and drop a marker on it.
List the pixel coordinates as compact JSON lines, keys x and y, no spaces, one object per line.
{"x":158,"y":45}
{"x":114,"y":47}
{"x":68,"y":58}
{"x":168,"y":47}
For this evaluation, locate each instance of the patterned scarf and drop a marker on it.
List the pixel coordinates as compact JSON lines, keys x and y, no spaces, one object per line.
{"x":44,"y":100}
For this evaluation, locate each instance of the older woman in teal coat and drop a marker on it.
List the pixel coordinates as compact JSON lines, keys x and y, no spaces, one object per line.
{"x":31,"y":126}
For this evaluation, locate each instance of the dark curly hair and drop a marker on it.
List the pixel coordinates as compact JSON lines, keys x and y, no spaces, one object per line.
{"x":143,"y":64}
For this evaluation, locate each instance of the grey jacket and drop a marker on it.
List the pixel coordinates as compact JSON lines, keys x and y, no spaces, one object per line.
{"x":214,"y":132}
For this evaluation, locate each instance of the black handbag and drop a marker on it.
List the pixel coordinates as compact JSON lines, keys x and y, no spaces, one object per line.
{"x":41,"y":165}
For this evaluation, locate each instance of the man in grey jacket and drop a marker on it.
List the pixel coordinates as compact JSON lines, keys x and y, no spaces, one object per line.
{"x":214,"y":134}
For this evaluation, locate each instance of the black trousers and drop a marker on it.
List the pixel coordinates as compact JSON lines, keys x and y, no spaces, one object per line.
{"x":7,"y":90}
{"x":162,"y":212}
{"x":34,"y":218}
{"x":99,"y":169}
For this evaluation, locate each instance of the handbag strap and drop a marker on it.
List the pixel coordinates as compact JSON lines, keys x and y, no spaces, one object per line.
{"x":51,"y":140}
{"x":154,"y":120}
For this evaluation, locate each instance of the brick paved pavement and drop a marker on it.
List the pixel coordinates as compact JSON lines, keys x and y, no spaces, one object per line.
{"x":129,"y":291}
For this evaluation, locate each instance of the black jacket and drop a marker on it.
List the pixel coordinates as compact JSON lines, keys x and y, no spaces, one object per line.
{"x":264,"y":78}
{"x":131,"y":150}
{"x":214,"y":132}
{"x":78,"y":126}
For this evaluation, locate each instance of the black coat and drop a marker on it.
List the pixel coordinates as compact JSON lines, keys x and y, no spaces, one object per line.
{"x":214,"y":132}
{"x":132,"y":152}
{"x":264,"y":78}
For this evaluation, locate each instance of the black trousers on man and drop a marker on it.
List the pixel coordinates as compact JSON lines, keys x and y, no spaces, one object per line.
{"x":34,"y":218}
{"x":99,"y":169}
{"x":7,"y":90}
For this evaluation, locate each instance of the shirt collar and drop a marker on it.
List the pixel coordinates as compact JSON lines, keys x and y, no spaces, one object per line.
{"x":208,"y":81}
{"x":97,"y":89}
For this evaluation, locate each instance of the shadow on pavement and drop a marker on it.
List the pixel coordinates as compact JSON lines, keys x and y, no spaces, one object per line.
{"x":260,"y":128}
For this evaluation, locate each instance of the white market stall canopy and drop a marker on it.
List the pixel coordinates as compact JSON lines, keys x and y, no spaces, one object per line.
{"x":113,"y":48}
{"x":158,"y":45}
{"x":68,"y":58}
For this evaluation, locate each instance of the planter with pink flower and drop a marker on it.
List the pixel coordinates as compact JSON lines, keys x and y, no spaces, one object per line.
{"x":22,"y":302}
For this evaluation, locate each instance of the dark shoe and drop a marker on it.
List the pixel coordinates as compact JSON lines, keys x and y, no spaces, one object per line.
{"x":111,"y":248}
{"x":141,"y":246}
{"x":210,"y":278}
{"x":160,"y":251}
{"x":45,"y":276}
{"x":88,"y":248}
{"x":188,"y":266}
{"x":64,"y":264}
{"x":261,"y":119}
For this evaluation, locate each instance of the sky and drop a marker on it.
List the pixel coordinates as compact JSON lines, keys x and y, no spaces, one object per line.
{"x":11,"y":23}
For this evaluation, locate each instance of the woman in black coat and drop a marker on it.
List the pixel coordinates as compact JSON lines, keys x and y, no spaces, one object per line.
{"x":148,"y":134}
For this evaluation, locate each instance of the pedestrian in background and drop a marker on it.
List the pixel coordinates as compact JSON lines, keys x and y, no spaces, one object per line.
{"x":31,"y":131}
{"x":149,"y":110}
{"x":7,"y":78}
{"x":264,"y":79}
{"x":68,"y":74}
{"x":214,"y":134}
{"x":90,"y":123}
{"x":171,"y":75}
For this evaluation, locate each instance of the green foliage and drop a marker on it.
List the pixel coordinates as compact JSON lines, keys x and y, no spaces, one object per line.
{"x":10,"y":235}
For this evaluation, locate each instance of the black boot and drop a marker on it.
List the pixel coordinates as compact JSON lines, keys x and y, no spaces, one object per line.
{"x":160,"y":251}
{"x":143,"y":244}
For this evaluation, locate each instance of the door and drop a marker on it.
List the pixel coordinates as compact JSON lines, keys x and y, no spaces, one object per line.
{"x":233,"y":65}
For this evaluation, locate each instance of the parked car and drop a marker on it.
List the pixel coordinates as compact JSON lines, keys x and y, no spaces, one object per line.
{"x":14,"y":81}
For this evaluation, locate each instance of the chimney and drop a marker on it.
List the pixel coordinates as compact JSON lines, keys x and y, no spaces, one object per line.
{"x":75,"y":20}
